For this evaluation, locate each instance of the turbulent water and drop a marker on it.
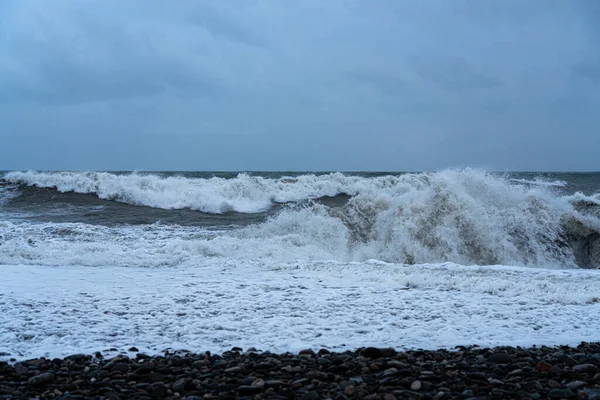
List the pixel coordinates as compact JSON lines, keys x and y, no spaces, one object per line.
{"x":306,"y":250}
{"x":150,"y":219}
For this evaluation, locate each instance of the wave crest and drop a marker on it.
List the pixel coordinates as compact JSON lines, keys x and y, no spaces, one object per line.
{"x":244,"y":193}
{"x":460,"y":216}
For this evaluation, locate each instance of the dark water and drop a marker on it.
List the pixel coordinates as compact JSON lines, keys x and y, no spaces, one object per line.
{"x":46,"y":203}
{"x":463,"y":216}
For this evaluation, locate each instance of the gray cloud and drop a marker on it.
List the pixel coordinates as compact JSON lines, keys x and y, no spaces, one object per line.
{"x":588,"y":70}
{"x":394,"y":85}
{"x":457,"y":75}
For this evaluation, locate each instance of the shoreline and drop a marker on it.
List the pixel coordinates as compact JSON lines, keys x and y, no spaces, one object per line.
{"x":367,"y":373}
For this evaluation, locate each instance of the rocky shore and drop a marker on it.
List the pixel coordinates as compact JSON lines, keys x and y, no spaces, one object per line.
{"x":368,"y":373}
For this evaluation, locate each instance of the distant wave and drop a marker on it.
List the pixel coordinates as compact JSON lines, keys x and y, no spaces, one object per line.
{"x":461,"y":216}
{"x":244,"y":193}
{"x":540,"y":182}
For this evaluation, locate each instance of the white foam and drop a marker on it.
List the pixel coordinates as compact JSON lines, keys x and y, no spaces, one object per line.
{"x":540,"y":182}
{"x":465,"y":217}
{"x":55,"y":311}
{"x":243,"y":193}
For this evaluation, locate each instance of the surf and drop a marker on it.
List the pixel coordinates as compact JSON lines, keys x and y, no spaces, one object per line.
{"x":468,"y":217}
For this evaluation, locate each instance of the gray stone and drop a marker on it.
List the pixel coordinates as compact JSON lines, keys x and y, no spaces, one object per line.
{"x":259,"y":384}
{"x":273,"y":383}
{"x":350,"y":390}
{"x":397,"y":364}
{"x":37,"y":362}
{"x":516,"y":372}
{"x":179,"y":385}
{"x":585,"y":368}
{"x":371,"y":352}
{"x":500,"y":358}
{"x":41,"y":379}
{"x":561,"y":394}
{"x":575,"y":385}
{"x":309,"y":352}
{"x":246,"y":390}
{"x":567,"y":360}
{"x":438,"y":396}
{"x":120,"y":367}
{"x":388,"y":352}
{"x":553,"y":384}
{"x":78,"y":357}
{"x":21,"y":369}
{"x":311,"y":396}
{"x":159,"y":391}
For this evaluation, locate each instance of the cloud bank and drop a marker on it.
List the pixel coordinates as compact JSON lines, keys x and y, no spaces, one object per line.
{"x":312,"y":85}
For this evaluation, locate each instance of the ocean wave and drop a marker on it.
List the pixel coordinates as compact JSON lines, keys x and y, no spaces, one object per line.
{"x":461,"y":216}
{"x":540,"y":182}
{"x":7,"y":193}
{"x":244,"y":193}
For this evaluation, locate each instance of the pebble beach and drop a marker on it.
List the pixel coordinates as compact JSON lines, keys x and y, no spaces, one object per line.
{"x":366,"y":373}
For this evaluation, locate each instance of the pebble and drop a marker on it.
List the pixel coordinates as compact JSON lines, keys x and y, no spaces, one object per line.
{"x":159,"y":390}
{"x":21,"y":369}
{"x":574,"y":385}
{"x":397,"y":364}
{"x":500,"y":358}
{"x":41,"y":379}
{"x":372,"y":352}
{"x":438,"y":396}
{"x":309,"y":352}
{"x":179,"y":385}
{"x":543,"y":366}
{"x":516,"y":372}
{"x":311,"y":396}
{"x":585,"y":368}
{"x":553,"y":384}
{"x":350,"y":390}
{"x":259,"y":384}
{"x":561,"y":394}
{"x":368,"y":373}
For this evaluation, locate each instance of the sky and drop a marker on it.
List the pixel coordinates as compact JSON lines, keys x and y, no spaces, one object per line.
{"x":344,"y":85}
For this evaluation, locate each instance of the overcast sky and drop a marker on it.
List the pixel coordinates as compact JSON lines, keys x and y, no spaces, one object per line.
{"x":300,"y":85}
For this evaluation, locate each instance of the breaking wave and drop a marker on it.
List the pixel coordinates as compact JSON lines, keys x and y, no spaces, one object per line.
{"x":244,"y":193}
{"x":540,"y":182}
{"x":461,"y":216}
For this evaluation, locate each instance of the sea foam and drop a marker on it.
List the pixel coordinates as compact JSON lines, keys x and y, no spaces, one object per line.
{"x":461,"y":216}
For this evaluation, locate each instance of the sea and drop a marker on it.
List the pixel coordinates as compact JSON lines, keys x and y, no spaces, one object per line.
{"x":281,"y":261}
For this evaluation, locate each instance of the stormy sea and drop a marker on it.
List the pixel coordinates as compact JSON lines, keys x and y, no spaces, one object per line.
{"x":103,"y":261}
